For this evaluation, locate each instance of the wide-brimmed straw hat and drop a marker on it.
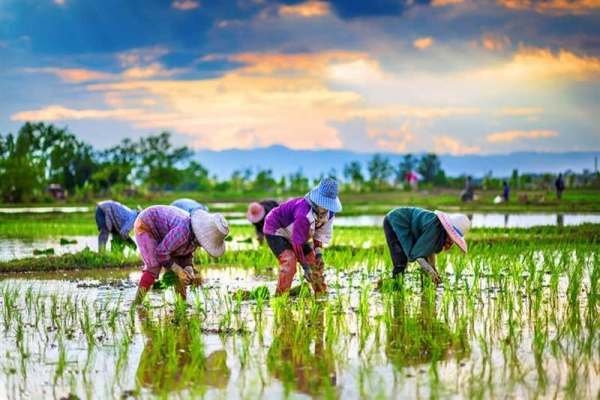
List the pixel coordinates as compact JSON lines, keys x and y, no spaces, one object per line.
{"x":326,"y":195}
{"x":456,"y":226}
{"x":256,"y":212}
{"x":210,"y":231}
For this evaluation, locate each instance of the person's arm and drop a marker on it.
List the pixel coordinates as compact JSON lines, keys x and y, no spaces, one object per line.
{"x":431,"y":271}
{"x":174,"y":239}
{"x":300,"y":235}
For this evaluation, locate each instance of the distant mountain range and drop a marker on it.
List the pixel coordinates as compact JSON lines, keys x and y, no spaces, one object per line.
{"x":285,"y":161}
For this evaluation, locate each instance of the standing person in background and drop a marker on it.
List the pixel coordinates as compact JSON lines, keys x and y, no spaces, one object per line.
{"x":117,"y":219}
{"x":168,"y":236}
{"x":291,"y":226}
{"x":188,"y":205}
{"x":505,"y":191}
{"x":257,"y":211}
{"x":415,"y":234}
{"x":559,"y":184}
{"x":468,"y":194}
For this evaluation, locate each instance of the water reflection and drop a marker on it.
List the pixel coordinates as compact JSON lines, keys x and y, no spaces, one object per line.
{"x":173,"y":358}
{"x":417,"y":336}
{"x":300,"y":357}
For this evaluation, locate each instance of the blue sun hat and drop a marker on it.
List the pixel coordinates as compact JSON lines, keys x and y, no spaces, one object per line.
{"x":326,"y":195}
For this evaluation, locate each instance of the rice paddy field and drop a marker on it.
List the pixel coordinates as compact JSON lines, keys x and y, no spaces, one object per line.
{"x":515,"y":318}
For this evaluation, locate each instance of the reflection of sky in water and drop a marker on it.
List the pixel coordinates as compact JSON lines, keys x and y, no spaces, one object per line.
{"x":22,"y":210}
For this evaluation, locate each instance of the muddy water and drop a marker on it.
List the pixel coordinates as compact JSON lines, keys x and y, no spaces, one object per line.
{"x":356,"y":343}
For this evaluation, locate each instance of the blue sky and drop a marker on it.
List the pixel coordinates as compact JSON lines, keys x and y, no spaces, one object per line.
{"x":450,"y":76}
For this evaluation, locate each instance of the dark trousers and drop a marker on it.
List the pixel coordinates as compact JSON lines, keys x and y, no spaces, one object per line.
{"x":399,"y":259}
{"x":278,"y":244}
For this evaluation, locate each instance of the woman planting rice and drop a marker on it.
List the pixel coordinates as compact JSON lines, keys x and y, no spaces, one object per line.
{"x":168,"y":236}
{"x":415,"y":234}
{"x":290,"y":227}
{"x":114,"y":218}
{"x":188,"y":205}
{"x":256,"y":214}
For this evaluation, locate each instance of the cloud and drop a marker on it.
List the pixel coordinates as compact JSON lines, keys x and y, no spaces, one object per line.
{"x":394,"y":140}
{"x":185,"y":5}
{"x":495,"y":42}
{"x":136,"y":57}
{"x":442,"y":3}
{"x":553,"y":7}
{"x":531,"y":64}
{"x":520,"y":112}
{"x":58,"y":113}
{"x":309,"y":63}
{"x":309,"y":9}
{"x":423,"y":43}
{"x":72,"y":75}
{"x":154,"y":70}
{"x":511,"y":136}
{"x":59,"y":2}
{"x":445,"y":144}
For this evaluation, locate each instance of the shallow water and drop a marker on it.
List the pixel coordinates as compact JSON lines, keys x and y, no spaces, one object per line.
{"x":491,"y":220}
{"x":40,"y":210}
{"x":499,"y":335}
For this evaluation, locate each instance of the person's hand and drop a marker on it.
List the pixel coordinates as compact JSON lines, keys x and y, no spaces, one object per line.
{"x":183,"y":275}
{"x":430,"y":270}
{"x":307,"y":272}
{"x":319,"y":259}
{"x":189,"y":270}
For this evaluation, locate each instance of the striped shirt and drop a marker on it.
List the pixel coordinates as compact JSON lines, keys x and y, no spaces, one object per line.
{"x":171,"y":227}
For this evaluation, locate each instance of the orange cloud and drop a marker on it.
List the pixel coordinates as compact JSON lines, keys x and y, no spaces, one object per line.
{"x":495,"y":42}
{"x":395,"y":140}
{"x":556,"y":7}
{"x":140,"y":56}
{"x":423,"y":43}
{"x":57,"y":113}
{"x":311,"y":63}
{"x":448,"y":145}
{"x":309,"y":9}
{"x":185,"y":5}
{"x":154,"y":70}
{"x":72,"y":75}
{"x":511,"y":136}
{"x":530,"y":65}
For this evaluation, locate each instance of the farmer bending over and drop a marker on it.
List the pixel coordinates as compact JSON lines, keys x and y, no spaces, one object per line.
{"x":289,"y":228}
{"x":167,"y":237}
{"x":257,"y":211}
{"x":114,"y":218}
{"x":188,"y":205}
{"x":415,"y":234}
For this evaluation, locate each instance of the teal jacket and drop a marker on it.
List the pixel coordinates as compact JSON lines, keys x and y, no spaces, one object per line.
{"x":419,"y":231}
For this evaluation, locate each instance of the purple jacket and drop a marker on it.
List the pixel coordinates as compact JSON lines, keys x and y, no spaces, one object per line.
{"x":295,"y":221}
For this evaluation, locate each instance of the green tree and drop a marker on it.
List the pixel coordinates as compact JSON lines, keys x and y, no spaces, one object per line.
{"x":298,"y":183}
{"x":380,"y":170}
{"x":264,"y":181}
{"x":353,"y":174}
{"x":158,"y":161}
{"x":430,"y":167}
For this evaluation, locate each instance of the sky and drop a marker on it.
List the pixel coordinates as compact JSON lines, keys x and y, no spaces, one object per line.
{"x":446,"y":76}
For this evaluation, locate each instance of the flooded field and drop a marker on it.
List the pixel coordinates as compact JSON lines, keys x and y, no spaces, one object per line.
{"x":517,"y":324}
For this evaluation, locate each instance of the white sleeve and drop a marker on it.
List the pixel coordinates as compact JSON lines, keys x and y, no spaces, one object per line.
{"x":324,"y":233}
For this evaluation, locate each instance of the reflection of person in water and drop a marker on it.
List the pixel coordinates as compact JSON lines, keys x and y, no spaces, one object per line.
{"x":418,"y":337}
{"x":295,"y":362}
{"x":173,"y":359}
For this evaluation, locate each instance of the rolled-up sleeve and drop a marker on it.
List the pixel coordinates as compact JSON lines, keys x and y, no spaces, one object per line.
{"x":174,"y":239}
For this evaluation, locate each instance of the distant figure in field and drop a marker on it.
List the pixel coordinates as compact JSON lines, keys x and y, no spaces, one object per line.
{"x":412,"y":179}
{"x":117,"y":219}
{"x":468,"y":194}
{"x":188,"y":205}
{"x":168,"y":236}
{"x":505,"y":191}
{"x":257,"y":212}
{"x":415,"y":234}
{"x":559,"y":184}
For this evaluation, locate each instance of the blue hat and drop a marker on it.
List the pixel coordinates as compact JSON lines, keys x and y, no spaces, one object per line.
{"x":326,"y":195}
